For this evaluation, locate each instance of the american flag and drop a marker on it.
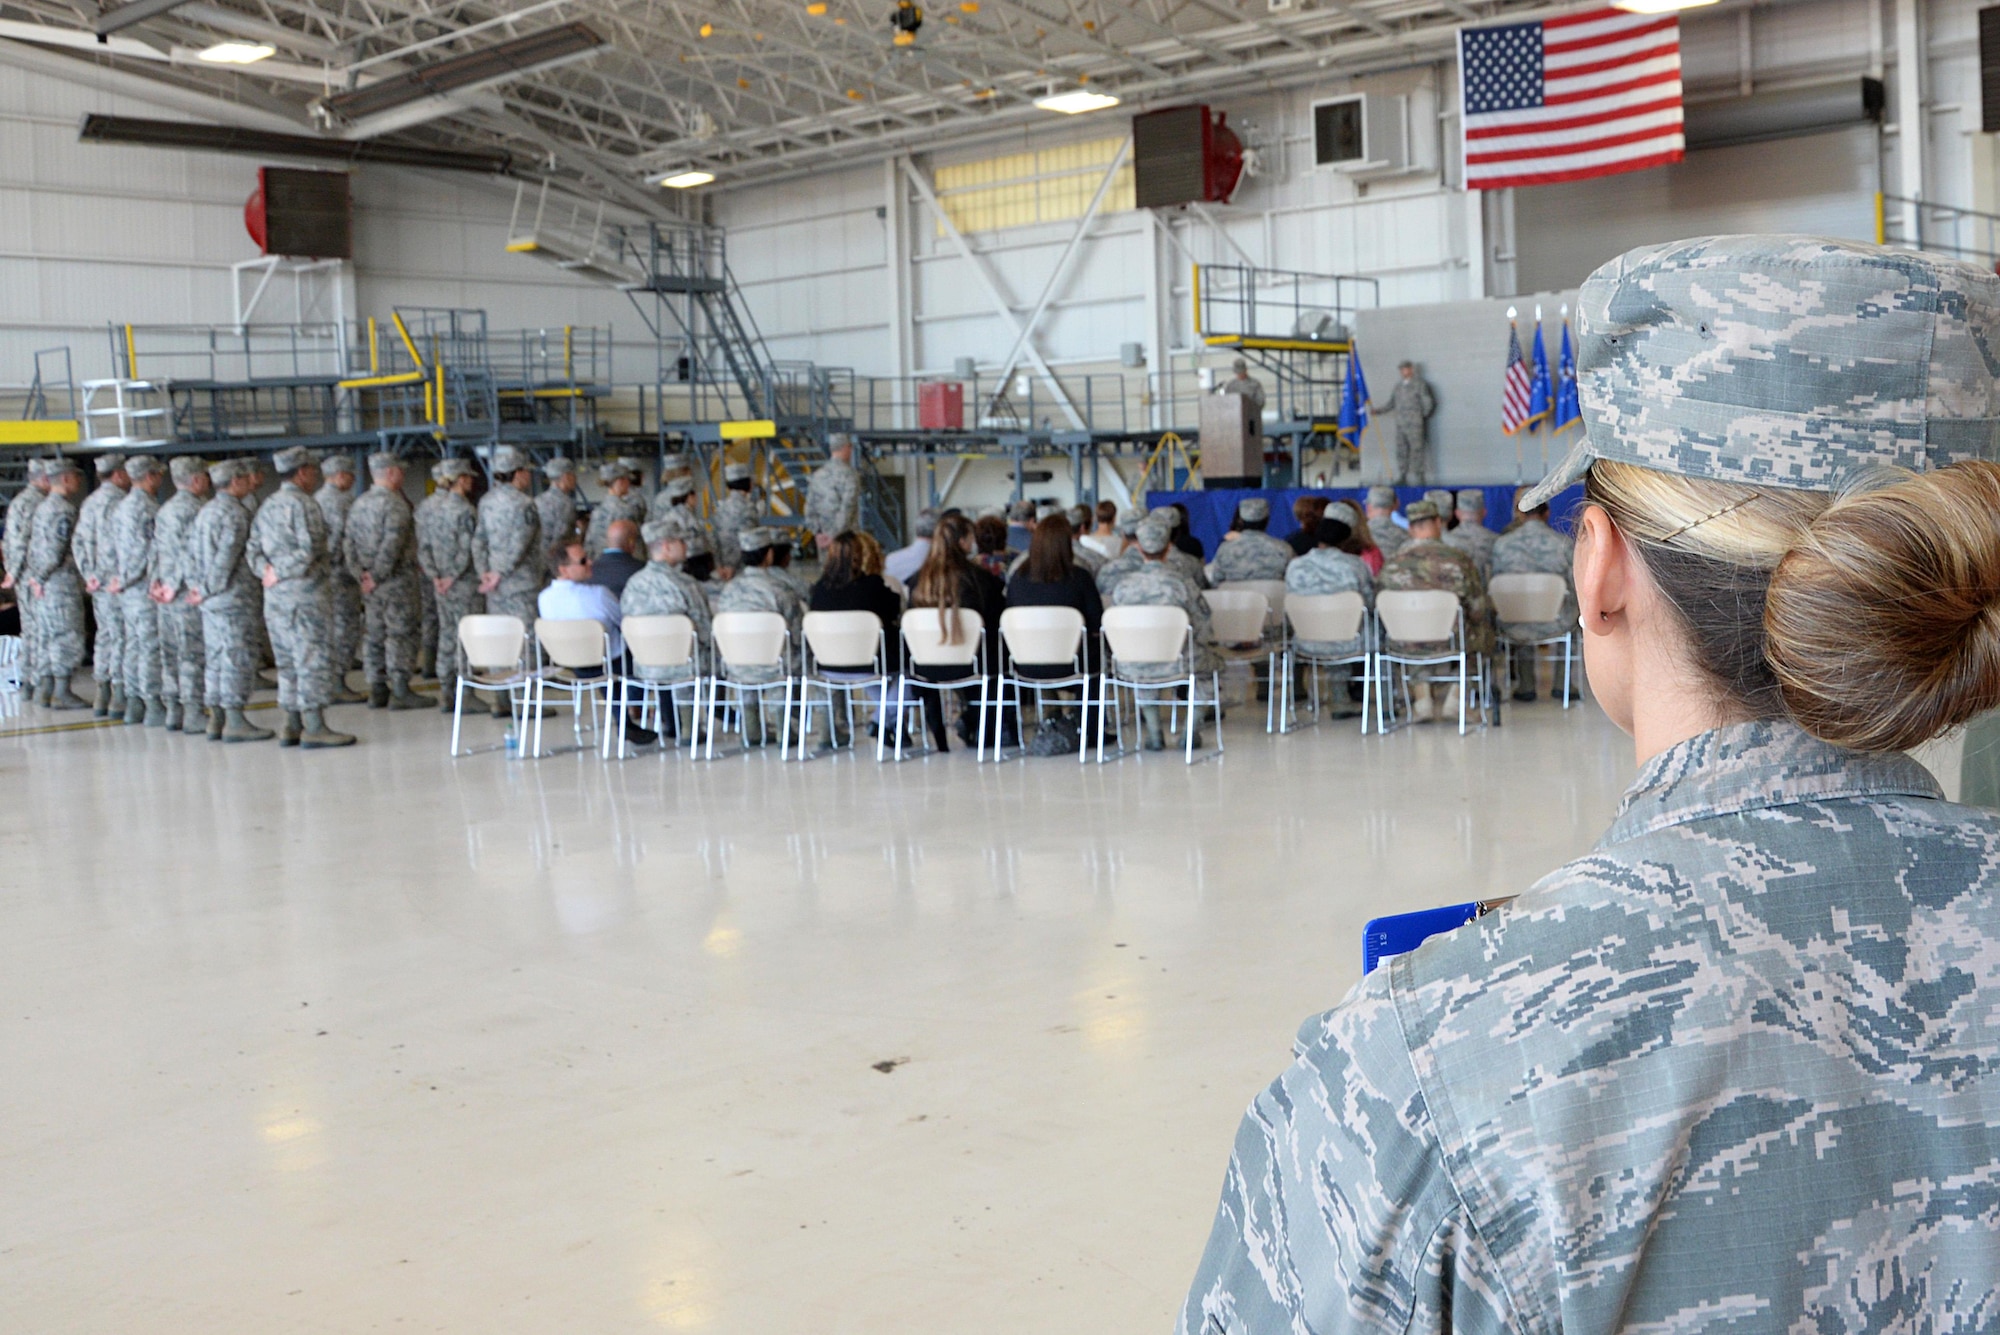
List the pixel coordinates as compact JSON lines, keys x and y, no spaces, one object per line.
{"x":1587,"y":94}
{"x":1517,"y":391}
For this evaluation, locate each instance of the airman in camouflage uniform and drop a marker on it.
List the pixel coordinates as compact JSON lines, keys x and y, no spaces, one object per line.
{"x":381,"y":554}
{"x":1327,"y":569}
{"x":50,"y":573}
{"x":288,"y":547}
{"x":507,"y":546}
{"x":1426,"y":562}
{"x":556,"y":506}
{"x":1732,"y":1069}
{"x":733,"y":513}
{"x":662,"y":588}
{"x":224,"y":589}
{"x":335,"y":498}
{"x":445,"y":523}
{"x":1446,"y":503}
{"x":129,"y":544}
{"x":1531,"y":547}
{"x":91,"y":549}
{"x":1382,"y":527}
{"x":674,"y":506}
{"x":757,"y":588}
{"x":622,"y":500}
{"x":1252,"y":553}
{"x":181,"y":661}
{"x":1472,"y":536}
{"x":833,"y":497}
{"x":1186,"y":563}
{"x":1157,"y":584}
{"x":1117,"y":568}
{"x":1410,"y":406}
{"x":20,"y":526}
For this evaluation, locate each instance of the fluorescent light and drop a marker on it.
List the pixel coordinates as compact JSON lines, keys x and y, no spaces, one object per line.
{"x":237,"y":53}
{"x":688,"y":179}
{"x":1657,"y":6}
{"x":1082,"y":100}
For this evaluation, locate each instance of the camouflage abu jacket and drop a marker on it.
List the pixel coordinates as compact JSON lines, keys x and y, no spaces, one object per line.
{"x":1736,"y":1069}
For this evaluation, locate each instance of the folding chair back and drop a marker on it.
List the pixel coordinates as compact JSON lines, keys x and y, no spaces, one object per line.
{"x":928,"y":643}
{"x":1526,"y":599}
{"x":1145,"y":634}
{"x":1272,"y":589}
{"x":491,"y":643}
{"x":1418,"y":616}
{"x":1042,"y":636}
{"x":577,"y":645}
{"x":659,"y":641}
{"x":844,"y":639}
{"x":750,"y":639}
{"x":1237,"y":615}
{"x":1326,"y":617}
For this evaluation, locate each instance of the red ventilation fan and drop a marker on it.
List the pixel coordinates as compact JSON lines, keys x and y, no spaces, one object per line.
{"x":1184,"y":155}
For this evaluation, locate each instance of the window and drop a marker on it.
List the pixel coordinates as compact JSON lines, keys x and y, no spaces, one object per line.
{"x":1337,"y":132}
{"x":1040,"y":186}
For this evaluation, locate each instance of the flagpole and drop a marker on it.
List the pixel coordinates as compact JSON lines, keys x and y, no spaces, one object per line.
{"x":1547,"y":424}
{"x":1514,"y":331}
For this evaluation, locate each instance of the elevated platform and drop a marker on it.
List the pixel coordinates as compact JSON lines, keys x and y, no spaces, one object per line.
{"x":1258,"y":343}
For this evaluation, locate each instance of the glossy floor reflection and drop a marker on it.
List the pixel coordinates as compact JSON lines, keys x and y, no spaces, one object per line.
{"x":367,"y":1039}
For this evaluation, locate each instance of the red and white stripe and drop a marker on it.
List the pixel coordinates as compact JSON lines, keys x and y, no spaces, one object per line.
{"x":1518,"y":389}
{"x":1611,"y":103}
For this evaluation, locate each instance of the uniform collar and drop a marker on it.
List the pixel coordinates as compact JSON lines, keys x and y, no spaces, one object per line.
{"x":1751,"y":766}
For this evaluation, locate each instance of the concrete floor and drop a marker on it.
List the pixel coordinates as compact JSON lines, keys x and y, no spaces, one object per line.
{"x":372,"y":1039}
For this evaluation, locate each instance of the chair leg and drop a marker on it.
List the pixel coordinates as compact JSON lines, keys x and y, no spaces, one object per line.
{"x":1463,"y":686}
{"x":457,"y":713}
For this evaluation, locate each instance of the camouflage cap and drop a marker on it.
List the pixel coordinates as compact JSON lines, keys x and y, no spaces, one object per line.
{"x":673,"y":463}
{"x":1382,"y":496}
{"x":1418,"y":511}
{"x":337,"y":463}
{"x":678,"y":487}
{"x":611,"y":470}
{"x":62,"y":466}
{"x":1783,"y":361}
{"x":185,"y":468}
{"x":509,"y":460}
{"x":658,"y":530}
{"x":1167,"y":515}
{"x":756,"y":538}
{"x":1441,"y":498}
{"x":225,"y":471}
{"x":560,"y":466}
{"x":1345,"y":512}
{"x":1253,"y":509}
{"x":838,"y":440}
{"x":107,"y":464}
{"x":292,"y":459}
{"x":381,"y":462}
{"x":450,"y":470}
{"x":736,"y":472}
{"x":1472,"y":499}
{"x":38,"y":468}
{"x":1153,"y":534}
{"x":141,"y":466}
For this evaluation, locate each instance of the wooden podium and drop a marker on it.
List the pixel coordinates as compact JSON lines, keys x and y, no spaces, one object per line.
{"x":1232,"y":442}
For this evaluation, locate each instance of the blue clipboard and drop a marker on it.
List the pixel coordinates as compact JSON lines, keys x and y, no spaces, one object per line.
{"x":1400,"y":933}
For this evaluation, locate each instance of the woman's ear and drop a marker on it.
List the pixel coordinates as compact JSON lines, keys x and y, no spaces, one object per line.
{"x":1603,"y":571}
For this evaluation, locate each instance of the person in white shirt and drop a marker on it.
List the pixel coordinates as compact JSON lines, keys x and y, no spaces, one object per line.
{"x":572,"y":597}
{"x":903,"y":563}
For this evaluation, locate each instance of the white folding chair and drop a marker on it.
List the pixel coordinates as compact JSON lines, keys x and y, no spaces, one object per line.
{"x":1050,"y":640}
{"x":1149,"y":636}
{"x":666,"y":661}
{"x":1327,"y":618}
{"x":1521,"y":600}
{"x":846,"y":639}
{"x":1241,"y":619}
{"x":951,"y":653}
{"x":569,"y":650}
{"x":749,"y":641}
{"x":10,"y":675}
{"x":492,"y":657}
{"x":1426,"y":616}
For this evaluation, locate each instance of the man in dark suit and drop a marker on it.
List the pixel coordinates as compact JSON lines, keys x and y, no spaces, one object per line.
{"x":616,"y":564}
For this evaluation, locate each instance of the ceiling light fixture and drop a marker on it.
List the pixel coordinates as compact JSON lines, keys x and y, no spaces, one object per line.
{"x":687,"y":180}
{"x":237,"y":53}
{"x":1076,"y":102}
{"x":1657,"y":6}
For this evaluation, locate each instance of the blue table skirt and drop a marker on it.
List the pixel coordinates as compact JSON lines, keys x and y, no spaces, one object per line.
{"x":1210,"y":512}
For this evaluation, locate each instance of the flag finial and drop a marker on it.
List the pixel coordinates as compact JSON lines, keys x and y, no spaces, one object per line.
{"x":1511,"y":312}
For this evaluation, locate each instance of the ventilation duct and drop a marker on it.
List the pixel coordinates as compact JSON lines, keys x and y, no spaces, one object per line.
{"x":1814,"y":109}
{"x":98,"y":129}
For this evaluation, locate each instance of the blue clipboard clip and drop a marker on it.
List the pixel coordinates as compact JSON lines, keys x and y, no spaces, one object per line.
{"x":1400,"y":933}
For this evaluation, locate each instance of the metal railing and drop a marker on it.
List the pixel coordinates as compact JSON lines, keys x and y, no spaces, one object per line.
{"x":1942,"y":229}
{"x":214,"y":353}
{"x":1237,"y":301}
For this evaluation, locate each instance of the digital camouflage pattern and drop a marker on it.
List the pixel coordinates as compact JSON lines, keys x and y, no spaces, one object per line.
{"x":1533,"y":548}
{"x":14,"y":550}
{"x":1330,"y":570}
{"x":1409,"y":410}
{"x":288,"y":536}
{"x":833,"y":498}
{"x":381,"y":543}
{"x":661,"y":590}
{"x":556,"y":509}
{"x":733,"y":513}
{"x":1476,"y":541}
{"x":682,"y":521}
{"x":607,"y":512}
{"x":1731,"y":1071}
{"x":343,"y":595}
{"x":1427,"y":563}
{"x":1112,"y":572}
{"x":1158,"y":584}
{"x":91,"y":549}
{"x":131,"y":553}
{"x":1189,"y":566}
{"x":51,"y":564}
{"x":757,"y":589}
{"x":219,"y":571}
{"x":445,"y":522}
{"x":507,"y":541}
{"x":1783,"y":361}
{"x":181,"y":659}
{"x":1251,"y":554}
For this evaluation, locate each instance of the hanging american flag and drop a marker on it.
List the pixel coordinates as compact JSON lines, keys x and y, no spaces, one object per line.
{"x":1587,"y":94}
{"x":1517,"y":390}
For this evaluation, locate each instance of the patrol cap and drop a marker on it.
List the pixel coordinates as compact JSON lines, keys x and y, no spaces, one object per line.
{"x":38,"y":468}
{"x":61,"y":467}
{"x":678,"y":487}
{"x":382,"y":462}
{"x":756,"y":538}
{"x":1441,"y":498}
{"x":1331,"y":531}
{"x":1472,"y":498}
{"x":141,"y":466}
{"x":225,"y":471}
{"x":839,"y":439}
{"x":658,"y":530}
{"x":560,"y":466}
{"x":338,"y":463}
{"x":1239,"y":365}
{"x":611,"y":470}
{"x":107,"y":464}
{"x":1167,"y":515}
{"x":1417,"y":511}
{"x":1382,"y":496}
{"x":1345,"y":512}
{"x":1782,"y":361}
{"x":697,"y":545}
{"x":1253,"y":509}
{"x":672,"y":463}
{"x":736,"y":472}
{"x":509,"y":460}
{"x":1153,"y":534}
{"x":450,"y":470}
{"x":292,"y":459}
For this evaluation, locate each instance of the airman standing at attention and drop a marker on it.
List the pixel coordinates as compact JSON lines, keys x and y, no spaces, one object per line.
{"x":288,"y":550}
{"x":556,"y":506}
{"x":1251,"y":552}
{"x":445,"y":523}
{"x":91,"y":549}
{"x":335,"y":499}
{"x":181,"y":658}
{"x":675,"y":507}
{"x":733,"y":513}
{"x":20,"y":527}
{"x":381,"y":554}
{"x":224,"y":590}
{"x":1472,"y":536}
{"x":507,"y":547}
{"x":130,"y":549}
{"x":622,"y":500}
{"x":833,"y":497}
{"x":1410,"y":406}
{"x":51,"y":576}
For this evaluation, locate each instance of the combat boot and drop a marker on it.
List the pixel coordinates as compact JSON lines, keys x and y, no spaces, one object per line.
{"x":214,"y":722}
{"x":135,"y":709}
{"x":378,"y":695}
{"x":237,"y":728}
{"x":294,"y":727}
{"x":117,"y":706}
{"x":400,"y":694}
{"x":45,"y":691}
{"x":317,"y":734}
{"x":62,"y":697}
{"x":156,"y":713}
{"x":102,"y":709}
{"x":342,"y":695}
{"x":174,"y":716}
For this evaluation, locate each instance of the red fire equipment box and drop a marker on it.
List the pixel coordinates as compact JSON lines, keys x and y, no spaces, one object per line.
{"x":941,"y":405}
